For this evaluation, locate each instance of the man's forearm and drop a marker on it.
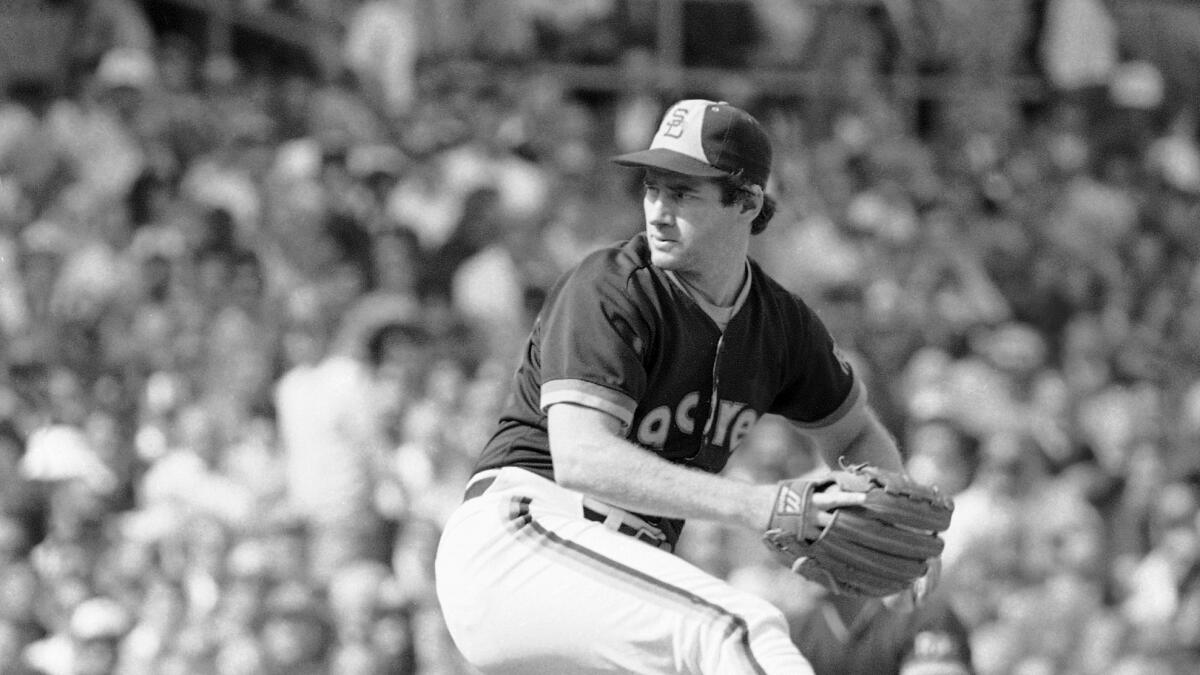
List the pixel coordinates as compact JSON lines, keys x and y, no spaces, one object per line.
{"x":873,"y":445}
{"x":630,"y":477}
{"x":602,"y":465}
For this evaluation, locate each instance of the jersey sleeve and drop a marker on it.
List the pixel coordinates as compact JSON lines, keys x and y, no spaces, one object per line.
{"x":822,"y":389}
{"x":592,"y":342}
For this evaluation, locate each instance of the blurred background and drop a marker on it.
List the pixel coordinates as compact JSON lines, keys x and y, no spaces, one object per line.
{"x":265,"y":267}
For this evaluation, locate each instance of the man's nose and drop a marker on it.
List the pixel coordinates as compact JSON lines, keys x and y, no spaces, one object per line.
{"x":659,"y":211}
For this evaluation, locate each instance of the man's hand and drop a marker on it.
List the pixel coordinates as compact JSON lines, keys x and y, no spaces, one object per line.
{"x":861,"y":531}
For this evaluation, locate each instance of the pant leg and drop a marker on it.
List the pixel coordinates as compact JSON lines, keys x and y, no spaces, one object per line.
{"x":528,"y":586}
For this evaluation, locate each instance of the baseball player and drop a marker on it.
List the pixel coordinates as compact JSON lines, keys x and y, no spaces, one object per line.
{"x":845,"y":635}
{"x":646,"y":366}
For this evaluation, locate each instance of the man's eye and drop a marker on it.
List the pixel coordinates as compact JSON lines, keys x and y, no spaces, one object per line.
{"x":675,"y":194}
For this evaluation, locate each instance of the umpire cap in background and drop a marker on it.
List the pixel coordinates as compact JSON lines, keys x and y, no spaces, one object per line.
{"x":710,"y":139}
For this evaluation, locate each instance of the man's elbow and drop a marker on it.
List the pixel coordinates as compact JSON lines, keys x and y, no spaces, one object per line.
{"x":568,"y":473}
{"x":581,"y":445}
{"x":572,"y":465}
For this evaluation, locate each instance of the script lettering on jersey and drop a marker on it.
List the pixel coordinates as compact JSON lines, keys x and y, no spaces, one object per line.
{"x":733,"y":420}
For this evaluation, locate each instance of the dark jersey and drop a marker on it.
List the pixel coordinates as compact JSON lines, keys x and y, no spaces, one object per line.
{"x":878,"y":640}
{"x":623,"y":336}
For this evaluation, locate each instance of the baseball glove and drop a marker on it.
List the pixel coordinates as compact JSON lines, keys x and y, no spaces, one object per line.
{"x":877,"y":547}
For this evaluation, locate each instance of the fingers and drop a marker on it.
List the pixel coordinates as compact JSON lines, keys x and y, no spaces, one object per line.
{"x":823,"y":504}
{"x":827,"y":501}
{"x":902,"y":602}
{"x":925,"y":586}
{"x":913,"y":597}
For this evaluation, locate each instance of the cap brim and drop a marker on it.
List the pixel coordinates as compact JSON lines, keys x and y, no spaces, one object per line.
{"x":669,"y":160}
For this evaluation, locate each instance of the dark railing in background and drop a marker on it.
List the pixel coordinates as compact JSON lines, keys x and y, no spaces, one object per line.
{"x":35,"y":34}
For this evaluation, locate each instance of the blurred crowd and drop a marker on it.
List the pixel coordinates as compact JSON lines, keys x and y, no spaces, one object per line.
{"x":256,"y":323}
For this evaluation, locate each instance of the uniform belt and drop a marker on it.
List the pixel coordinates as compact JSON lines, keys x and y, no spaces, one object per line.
{"x":610,"y":516}
{"x":625,"y":522}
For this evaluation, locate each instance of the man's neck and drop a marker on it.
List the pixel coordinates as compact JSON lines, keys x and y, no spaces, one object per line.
{"x":720,"y":290}
{"x":724,"y":299}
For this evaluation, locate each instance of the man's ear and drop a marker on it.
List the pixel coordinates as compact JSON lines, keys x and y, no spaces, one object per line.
{"x":752,"y":199}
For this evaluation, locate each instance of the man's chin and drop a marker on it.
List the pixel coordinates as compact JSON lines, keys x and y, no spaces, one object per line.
{"x":663,"y":260}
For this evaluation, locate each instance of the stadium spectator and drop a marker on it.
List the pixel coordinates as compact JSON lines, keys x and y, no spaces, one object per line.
{"x":184,"y":236}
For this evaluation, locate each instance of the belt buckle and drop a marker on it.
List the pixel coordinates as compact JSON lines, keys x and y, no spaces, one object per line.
{"x":657,"y":541}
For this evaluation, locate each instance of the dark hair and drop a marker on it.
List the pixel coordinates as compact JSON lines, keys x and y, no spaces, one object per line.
{"x":733,"y":190}
{"x":12,"y":434}
{"x":353,"y":243}
{"x":219,"y":234}
{"x":378,"y":339}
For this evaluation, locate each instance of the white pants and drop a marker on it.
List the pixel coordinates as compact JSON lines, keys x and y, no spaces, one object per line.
{"x":528,"y":586}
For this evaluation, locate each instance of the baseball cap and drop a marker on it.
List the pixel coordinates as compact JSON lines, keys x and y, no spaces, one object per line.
{"x":709,"y":139}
